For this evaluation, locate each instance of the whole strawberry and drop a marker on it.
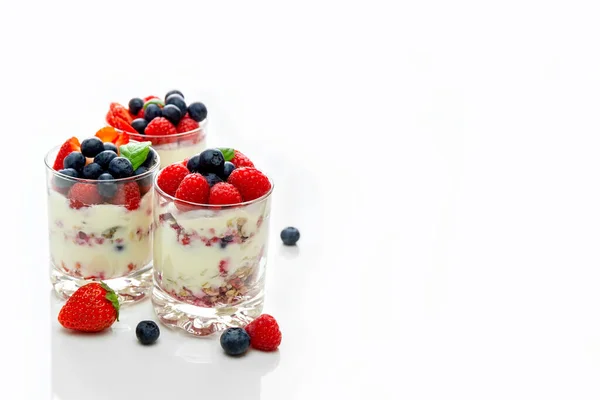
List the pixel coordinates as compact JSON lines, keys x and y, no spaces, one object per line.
{"x":92,"y":308}
{"x":264,"y":333}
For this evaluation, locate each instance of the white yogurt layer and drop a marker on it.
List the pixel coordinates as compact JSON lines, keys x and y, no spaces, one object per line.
{"x":172,"y":153}
{"x":102,"y":241}
{"x":186,"y":268}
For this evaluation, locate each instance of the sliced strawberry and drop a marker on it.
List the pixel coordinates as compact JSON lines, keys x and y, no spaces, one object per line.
{"x":107,"y":134}
{"x":123,"y":125}
{"x":67,"y":148}
{"x":121,"y":139}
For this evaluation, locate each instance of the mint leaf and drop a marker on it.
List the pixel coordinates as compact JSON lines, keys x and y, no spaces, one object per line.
{"x":228,"y":153}
{"x":158,"y":102}
{"x":135,"y":152}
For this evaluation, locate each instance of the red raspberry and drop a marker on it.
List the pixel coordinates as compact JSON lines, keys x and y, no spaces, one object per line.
{"x":128,"y":194}
{"x":240,"y":160}
{"x":251,"y":183}
{"x":194,"y":188}
{"x":83,"y":195}
{"x":187,"y":124}
{"x":224,"y":193}
{"x":160,"y":126}
{"x":170,"y":178}
{"x":264,"y":333}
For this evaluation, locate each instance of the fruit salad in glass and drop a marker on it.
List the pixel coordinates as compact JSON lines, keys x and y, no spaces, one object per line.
{"x":176,"y":128}
{"x":211,"y":218}
{"x":100,"y":201}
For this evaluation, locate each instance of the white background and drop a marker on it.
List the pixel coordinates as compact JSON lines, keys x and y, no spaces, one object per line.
{"x":439,"y":157}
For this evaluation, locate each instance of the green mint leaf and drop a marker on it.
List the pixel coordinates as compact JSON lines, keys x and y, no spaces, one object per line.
{"x":228,"y":153}
{"x":135,"y":152}
{"x":158,"y":102}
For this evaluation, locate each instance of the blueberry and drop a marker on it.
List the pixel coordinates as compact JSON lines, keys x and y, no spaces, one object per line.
{"x":111,"y":146}
{"x":212,"y":179}
{"x":147,"y":181}
{"x":226,"y":240}
{"x":177,"y":101}
{"x":119,"y":247}
{"x":290,"y":236}
{"x":210,"y":160}
{"x":147,"y":332}
{"x":227,"y":170}
{"x":92,"y":171}
{"x":107,"y":189}
{"x":150,"y":159}
{"x":139,"y":124}
{"x":75,"y":160}
{"x":120,"y":167}
{"x":235,"y":341}
{"x":172,"y":113}
{"x":91,"y":147}
{"x":152,"y":111}
{"x":104,"y":158}
{"x":135,"y":105}
{"x":170,"y":92}
{"x":64,"y":183}
{"x":197,"y":111}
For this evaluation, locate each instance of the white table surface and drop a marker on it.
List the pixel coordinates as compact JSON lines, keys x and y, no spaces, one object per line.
{"x":440,"y":160}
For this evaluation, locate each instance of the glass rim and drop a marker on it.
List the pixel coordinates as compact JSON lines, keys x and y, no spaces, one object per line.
{"x":202,"y":126}
{"x":134,"y":178}
{"x":212,"y":206}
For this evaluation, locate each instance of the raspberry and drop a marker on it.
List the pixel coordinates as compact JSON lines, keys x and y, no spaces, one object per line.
{"x":224,"y":193}
{"x":240,"y":160}
{"x":160,"y":126}
{"x":264,"y":333}
{"x":170,"y":178}
{"x":194,"y":188}
{"x":128,"y":194}
{"x":67,"y":148}
{"x":83,"y":195}
{"x":251,"y":183}
{"x":187,"y":124}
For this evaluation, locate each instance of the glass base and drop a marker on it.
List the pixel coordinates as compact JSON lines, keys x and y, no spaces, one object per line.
{"x":204,"y":321}
{"x":130,"y":289}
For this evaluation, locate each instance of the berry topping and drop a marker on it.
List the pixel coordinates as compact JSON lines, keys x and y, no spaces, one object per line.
{"x":75,"y":160}
{"x":224,"y":193}
{"x":212,"y":179}
{"x":160,"y":126}
{"x":210,"y":160}
{"x":240,"y":160}
{"x":119,"y":117}
{"x":92,"y":171}
{"x":177,"y":101}
{"x":128,"y":194}
{"x":110,"y":134}
{"x":65,"y":183}
{"x":104,"y":158}
{"x":148,"y":98}
{"x":136,"y":153}
{"x":92,"y":308}
{"x":147,"y":332}
{"x":153,"y":102}
{"x":120,"y":167}
{"x":170,"y":178}
{"x":67,"y":148}
{"x":172,"y":113}
{"x":235,"y":341}
{"x":83,"y":195}
{"x":197,"y":111}
{"x":186,"y":125}
{"x":111,"y":147}
{"x":227,"y":170}
{"x":150,"y":159}
{"x":193,"y":188}
{"x":91,"y":147}
{"x":135,"y":105}
{"x":251,"y":183}
{"x":264,"y":333}
{"x":170,"y":92}
{"x":151,"y":112}
{"x":106,"y":187}
{"x":290,"y":236}
{"x":139,"y":125}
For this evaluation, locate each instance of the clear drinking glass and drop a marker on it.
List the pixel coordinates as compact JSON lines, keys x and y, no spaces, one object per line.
{"x":209,"y":262}
{"x":100,"y":240}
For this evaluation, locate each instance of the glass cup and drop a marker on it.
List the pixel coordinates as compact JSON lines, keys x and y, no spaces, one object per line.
{"x":103,"y":240}
{"x":209,"y":262}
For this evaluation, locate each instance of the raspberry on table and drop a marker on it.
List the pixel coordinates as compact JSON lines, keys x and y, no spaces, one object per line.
{"x":251,"y":183}
{"x":170,"y":178}
{"x":160,"y":126}
{"x":264,"y":333}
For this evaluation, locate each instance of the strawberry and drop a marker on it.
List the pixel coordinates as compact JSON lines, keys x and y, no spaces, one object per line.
{"x":224,"y":193}
{"x":67,"y":148}
{"x":147,"y":98}
{"x":110,"y":134}
{"x":240,"y":160}
{"x":170,"y":178}
{"x":251,"y":183}
{"x":128,"y":194}
{"x":193,"y":188}
{"x":160,"y":126}
{"x":264,"y":333}
{"x":119,"y":117}
{"x":83,"y":195}
{"x":187,"y":124}
{"x":92,"y":308}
